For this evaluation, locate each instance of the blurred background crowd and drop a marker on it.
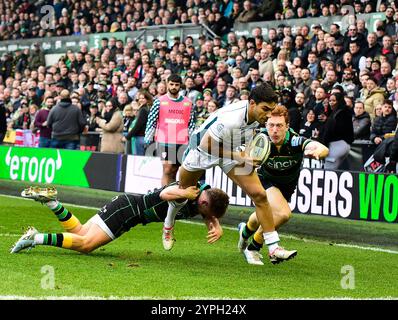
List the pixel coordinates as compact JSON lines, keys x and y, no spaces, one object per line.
{"x":321,"y":71}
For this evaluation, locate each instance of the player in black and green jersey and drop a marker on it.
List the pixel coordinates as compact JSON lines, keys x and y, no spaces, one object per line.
{"x":124,"y":212}
{"x":279,"y":176}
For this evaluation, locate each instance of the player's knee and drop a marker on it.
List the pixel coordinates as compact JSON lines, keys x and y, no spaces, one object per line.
{"x":286,"y":215}
{"x":258,"y":196}
{"x":87,"y":245}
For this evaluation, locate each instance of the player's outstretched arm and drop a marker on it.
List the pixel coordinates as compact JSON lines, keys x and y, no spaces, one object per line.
{"x":214,"y":228}
{"x":316,"y":150}
{"x":174,"y":193}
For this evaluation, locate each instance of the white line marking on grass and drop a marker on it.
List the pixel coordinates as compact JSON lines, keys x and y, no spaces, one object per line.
{"x":353,"y":246}
{"x":311,"y":240}
{"x":16,"y":297}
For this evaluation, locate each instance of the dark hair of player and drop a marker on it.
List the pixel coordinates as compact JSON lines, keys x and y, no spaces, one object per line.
{"x":219,"y":201}
{"x":263,"y":93}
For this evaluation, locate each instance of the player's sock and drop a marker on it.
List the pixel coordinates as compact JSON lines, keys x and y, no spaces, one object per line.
{"x":63,"y":240}
{"x":256,"y":243}
{"x":172,"y":211}
{"x":66,"y":218}
{"x":271,"y":239}
{"x":248,"y":230}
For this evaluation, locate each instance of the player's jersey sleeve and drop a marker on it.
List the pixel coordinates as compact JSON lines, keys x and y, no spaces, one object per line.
{"x":192,"y":121}
{"x":153,"y":117}
{"x":299,"y":142}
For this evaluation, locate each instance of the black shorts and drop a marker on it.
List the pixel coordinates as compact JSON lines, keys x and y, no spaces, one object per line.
{"x":286,"y":189}
{"x":171,"y":152}
{"x":120,"y":215}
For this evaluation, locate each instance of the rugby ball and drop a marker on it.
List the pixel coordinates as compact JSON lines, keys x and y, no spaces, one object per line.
{"x":260,"y":148}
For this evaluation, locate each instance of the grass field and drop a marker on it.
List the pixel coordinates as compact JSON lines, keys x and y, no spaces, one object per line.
{"x":136,"y":266}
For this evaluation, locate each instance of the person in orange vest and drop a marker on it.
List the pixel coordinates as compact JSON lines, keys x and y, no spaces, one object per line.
{"x":171,"y":121}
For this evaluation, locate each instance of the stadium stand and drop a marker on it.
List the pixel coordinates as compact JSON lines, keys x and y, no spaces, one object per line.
{"x":304,"y":58}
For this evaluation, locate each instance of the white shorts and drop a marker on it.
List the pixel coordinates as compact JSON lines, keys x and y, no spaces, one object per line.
{"x":196,"y":160}
{"x":100,"y":223}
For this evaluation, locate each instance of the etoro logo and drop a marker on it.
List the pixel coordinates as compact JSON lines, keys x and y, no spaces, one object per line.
{"x":33,"y":169}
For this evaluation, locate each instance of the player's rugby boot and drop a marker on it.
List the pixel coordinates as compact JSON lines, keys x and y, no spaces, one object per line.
{"x":26,"y":241}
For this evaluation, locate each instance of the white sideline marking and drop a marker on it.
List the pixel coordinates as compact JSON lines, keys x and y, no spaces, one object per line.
{"x":16,"y":297}
{"x":353,"y":246}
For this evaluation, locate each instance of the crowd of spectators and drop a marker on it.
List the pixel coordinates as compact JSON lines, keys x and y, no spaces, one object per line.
{"x":110,"y":84}
{"x":22,"y":19}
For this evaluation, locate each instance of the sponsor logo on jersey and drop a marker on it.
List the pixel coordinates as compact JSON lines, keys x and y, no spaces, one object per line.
{"x":174,"y":121}
{"x":280,"y":164}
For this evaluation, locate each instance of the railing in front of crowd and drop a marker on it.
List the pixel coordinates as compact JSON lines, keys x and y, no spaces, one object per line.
{"x":371,"y":20}
{"x":169,"y":32}
{"x":144,"y":34}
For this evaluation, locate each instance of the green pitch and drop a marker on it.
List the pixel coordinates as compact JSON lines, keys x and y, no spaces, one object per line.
{"x":135,"y":266}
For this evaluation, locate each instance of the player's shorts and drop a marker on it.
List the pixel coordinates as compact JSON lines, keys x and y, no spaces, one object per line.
{"x":117,"y":216}
{"x":196,"y":160}
{"x":286,"y":189}
{"x":171,"y":152}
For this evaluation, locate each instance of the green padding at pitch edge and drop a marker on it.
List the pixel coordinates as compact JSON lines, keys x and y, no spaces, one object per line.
{"x":39,"y":165}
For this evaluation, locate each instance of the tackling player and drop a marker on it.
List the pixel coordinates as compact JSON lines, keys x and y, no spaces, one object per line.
{"x":215,"y":143}
{"x":279,"y":176}
{"x":122,"y":213}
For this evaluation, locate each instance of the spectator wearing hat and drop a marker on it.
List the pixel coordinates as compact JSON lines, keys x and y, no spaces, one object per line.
{"x":201,"y":111}
{"x":67,"y":123}
{"x":102,"y":91}
{"x":336,"y":53}
{"x":287,"y":100}
{"x":33,"y":98}
{"x":91,"y":92}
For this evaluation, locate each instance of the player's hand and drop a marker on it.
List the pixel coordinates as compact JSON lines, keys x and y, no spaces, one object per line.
{"x":245,"y":160}
{"x":378,"y":140}
{"x":312,"y":152}
{"x":192,"y":192}
{"x":214,"y":233}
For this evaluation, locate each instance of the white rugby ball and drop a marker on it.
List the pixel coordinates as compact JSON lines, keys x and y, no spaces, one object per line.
{"x":260,"y":148}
